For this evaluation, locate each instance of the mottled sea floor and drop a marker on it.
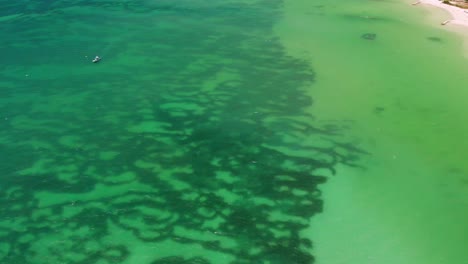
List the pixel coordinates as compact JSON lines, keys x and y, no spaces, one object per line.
{"x":230,"y":132}
{"x":188,"y":143}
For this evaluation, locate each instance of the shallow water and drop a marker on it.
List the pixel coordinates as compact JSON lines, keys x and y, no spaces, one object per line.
{"x":204,"y":133}
{"x":404,"y":94}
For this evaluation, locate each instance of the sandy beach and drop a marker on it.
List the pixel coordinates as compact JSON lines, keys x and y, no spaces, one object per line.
{"x":459,"y":15}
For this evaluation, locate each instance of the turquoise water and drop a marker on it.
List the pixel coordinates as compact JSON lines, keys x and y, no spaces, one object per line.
{"x":188,"y":143}
{"x":242,"y":131}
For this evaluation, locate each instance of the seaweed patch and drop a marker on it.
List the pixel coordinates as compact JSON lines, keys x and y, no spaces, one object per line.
{"x":206,"y":154}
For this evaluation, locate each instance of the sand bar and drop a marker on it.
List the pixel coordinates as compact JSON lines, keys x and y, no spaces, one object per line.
{"x":459,"y":15}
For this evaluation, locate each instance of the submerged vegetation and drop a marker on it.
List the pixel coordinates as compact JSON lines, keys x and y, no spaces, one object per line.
{"x":189,"y":144}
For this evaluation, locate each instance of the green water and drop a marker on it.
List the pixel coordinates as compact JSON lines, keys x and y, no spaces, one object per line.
{"x":404,"y":93}
{"x":206,"y":130}
{"x":185,"y":144}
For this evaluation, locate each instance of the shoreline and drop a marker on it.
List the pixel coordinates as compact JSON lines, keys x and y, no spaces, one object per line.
{"x":459,"y":15}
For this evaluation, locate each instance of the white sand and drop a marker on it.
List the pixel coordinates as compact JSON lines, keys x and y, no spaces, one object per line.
{"x":459,"y":15}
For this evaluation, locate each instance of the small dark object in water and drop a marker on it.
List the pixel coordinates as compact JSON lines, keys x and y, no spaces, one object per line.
{"x":435,"y":39}
{"x":378,"y":110}
{"x":369,"y":36}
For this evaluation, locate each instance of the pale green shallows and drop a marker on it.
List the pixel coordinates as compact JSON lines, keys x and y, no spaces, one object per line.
{"x":404,"y":94}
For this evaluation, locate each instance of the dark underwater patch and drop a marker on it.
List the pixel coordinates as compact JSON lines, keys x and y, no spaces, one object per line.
{"x":369,"y":36}
{"x":189,"y":136}
{"x":378,"y":110}
{"x":434,"y":39}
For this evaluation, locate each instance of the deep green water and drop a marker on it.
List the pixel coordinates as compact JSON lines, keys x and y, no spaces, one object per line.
{"x":186,"y":144}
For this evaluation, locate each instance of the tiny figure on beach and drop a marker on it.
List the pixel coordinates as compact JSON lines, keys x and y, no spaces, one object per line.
{"x":96,"y":59}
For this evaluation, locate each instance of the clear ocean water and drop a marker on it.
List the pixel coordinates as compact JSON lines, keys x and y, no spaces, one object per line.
{"x":241,"y":131}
